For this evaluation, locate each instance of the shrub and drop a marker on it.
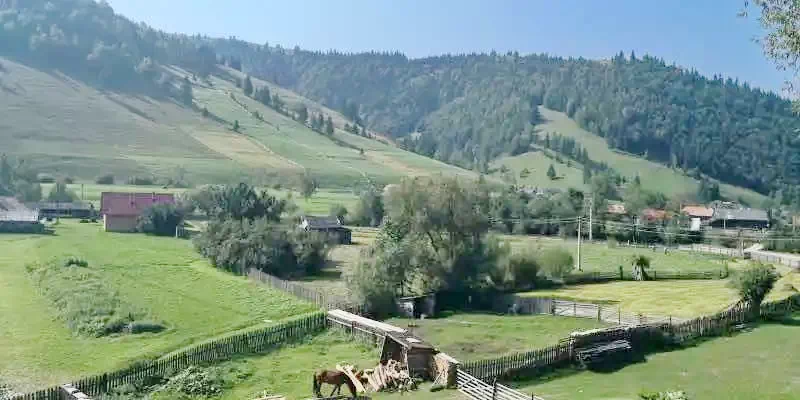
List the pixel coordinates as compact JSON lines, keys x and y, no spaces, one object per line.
{"x":525,"y":269}
{"x":144,"y":327}
{"x":107,"y":179}
{"x":310,"y":250}
{"x":754,"y":283}
{"x":76,"y":261}
{"x":160,"y":219}
{"x":45,"y":178}
{"x":338,"y":211}
{"x":556,"y":263}
{"x":61,"y":193}
{"x":141,"y":181}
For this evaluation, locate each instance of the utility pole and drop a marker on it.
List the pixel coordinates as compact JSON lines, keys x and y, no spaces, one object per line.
{"x":580,"y":222}
{"x":591,"y":209}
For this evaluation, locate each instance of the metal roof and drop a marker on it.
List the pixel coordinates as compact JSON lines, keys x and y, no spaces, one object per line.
{"x":741,"y":214}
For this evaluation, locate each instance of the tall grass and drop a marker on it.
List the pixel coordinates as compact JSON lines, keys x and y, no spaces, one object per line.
{"x":85,"y":302}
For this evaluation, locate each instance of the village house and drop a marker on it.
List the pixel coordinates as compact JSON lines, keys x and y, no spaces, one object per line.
{"x":701,"y":212}
{"x":121,"y":211}
{"x":50,"y":210}
{"x":742,"y":218}
{"x":331,"y":226}
{"x":16,"y":218}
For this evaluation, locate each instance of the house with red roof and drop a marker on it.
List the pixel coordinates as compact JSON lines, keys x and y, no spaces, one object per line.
{"x":121,"y":211}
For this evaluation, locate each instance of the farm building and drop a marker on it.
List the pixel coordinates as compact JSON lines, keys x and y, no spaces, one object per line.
{"x":701,"y":212}
{"x":16,"y":218}
{"x":746,"y":218}
{"x":331,"y":226}
{"x":121,"y":211}
{"x":82,"y":210}
{"x":654,"y":215}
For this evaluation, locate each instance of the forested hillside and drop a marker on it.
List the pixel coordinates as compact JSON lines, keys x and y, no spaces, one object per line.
{"x":88,"y":41}
{"x":469,"y":109}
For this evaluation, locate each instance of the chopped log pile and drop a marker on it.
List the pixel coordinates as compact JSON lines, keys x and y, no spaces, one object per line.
{"x":605,"y":352}
{"x":385,"y":377}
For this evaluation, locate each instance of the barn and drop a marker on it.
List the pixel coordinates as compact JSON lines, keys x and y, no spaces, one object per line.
{"x":330,"y":226}
{"x":121,"y":211}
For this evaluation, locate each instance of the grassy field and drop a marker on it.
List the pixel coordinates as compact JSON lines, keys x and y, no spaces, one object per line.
{"x":601,"y":257}
{"x":475,"y":336}
{"x":684,"y":298}
{"x":164,"y":277}
{"x":73,"y":129}
{"x":758,"y":364}
{"x":537,"y":163}
{"x":654,"y":176}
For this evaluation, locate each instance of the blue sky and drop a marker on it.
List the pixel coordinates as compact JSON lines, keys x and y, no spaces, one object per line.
{"x":703,"y":34}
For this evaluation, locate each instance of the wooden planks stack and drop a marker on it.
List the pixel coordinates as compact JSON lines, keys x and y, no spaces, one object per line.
{"x":391,"y":376}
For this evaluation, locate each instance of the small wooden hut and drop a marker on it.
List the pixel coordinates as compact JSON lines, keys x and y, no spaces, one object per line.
{"x":409,"y":350}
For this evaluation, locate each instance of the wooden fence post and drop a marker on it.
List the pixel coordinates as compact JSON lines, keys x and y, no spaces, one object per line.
{"x":494,"y":389}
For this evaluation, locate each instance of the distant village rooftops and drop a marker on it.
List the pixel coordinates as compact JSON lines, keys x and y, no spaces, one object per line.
{"x":701,"y":212}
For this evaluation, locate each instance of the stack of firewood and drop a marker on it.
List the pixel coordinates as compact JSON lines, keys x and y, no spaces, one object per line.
{"x":392,"y":376}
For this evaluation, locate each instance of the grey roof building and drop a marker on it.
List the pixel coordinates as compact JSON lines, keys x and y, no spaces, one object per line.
{"x":748,"y":218}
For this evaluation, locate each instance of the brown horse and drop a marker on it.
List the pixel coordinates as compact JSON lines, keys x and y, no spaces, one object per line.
{"x":335,"y":378}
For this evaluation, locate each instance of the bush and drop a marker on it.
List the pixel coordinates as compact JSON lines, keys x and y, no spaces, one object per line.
{"x":76,"y":261}
{"x":60,"y":193}
{"x":107,"y":179}
{"x":144,"y":327}
{"x":141,"y":181}
{"x":556,"y":263}
{"x":339,"y":211}
{"x":160,"y":219}
{"x":310,"y":250}
{"x":754,"y":283}
{"x":525,"y":269}
{"x":45,"y":178}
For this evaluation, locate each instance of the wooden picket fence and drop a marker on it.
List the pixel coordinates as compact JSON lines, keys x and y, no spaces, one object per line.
{"x":317,"y":297}
{"x":477,"y":389}
{"x":679,"y":331}
{"x":519,"y":364}
{"x":626,"y":275}
{"x":217,"y":350}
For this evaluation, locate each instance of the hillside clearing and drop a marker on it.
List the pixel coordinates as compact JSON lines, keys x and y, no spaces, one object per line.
{"x":654,"y":176}
{"x":164,"y":277}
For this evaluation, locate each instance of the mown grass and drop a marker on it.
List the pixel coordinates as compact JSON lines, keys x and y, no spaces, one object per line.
{"x":683,"y":298}
{"x":475,"y":336}
{"x":757,"y":364}
{"x":164,"y":277}
{"x":604,"y":258}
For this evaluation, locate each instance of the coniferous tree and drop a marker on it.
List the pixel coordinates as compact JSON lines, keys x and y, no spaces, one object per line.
{"x":248,"y":86}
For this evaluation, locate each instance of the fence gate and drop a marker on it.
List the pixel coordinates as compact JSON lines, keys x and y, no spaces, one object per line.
{"x":477,"y":389}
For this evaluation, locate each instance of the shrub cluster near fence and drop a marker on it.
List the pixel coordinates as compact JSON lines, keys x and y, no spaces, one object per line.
{"x":314,"y":296}
{"x":217,"y":350}
{"x":532,"y":362}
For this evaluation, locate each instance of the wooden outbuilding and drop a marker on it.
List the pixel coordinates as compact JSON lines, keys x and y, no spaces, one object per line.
{"x":409,"y":350}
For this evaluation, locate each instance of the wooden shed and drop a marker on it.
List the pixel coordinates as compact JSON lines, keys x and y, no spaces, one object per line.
{"x":416,"y":306}
{"x":411,"y":351}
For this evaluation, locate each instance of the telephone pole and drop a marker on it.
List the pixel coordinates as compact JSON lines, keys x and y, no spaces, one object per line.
{"x":580,"y":222}
{"x":591,"y":209}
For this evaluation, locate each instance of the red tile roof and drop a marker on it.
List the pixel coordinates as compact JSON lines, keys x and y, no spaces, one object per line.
{"x":652,"y":214}
{"x":131,"y":204}
{"x":698,"y":211}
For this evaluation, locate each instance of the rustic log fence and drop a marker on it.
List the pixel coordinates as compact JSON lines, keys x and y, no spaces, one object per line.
{"x":252,"y":342}
{"x":601,"y":312}
{"x":317,"y":297}
{"x":477,"y":389}
{"x":653,"y":274}
{"x":530,"y":363}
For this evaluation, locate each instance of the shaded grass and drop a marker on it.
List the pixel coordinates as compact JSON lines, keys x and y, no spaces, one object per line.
{"x":164,"y":277}
{"x":756,"y":364}
{"x":474,"y":336}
